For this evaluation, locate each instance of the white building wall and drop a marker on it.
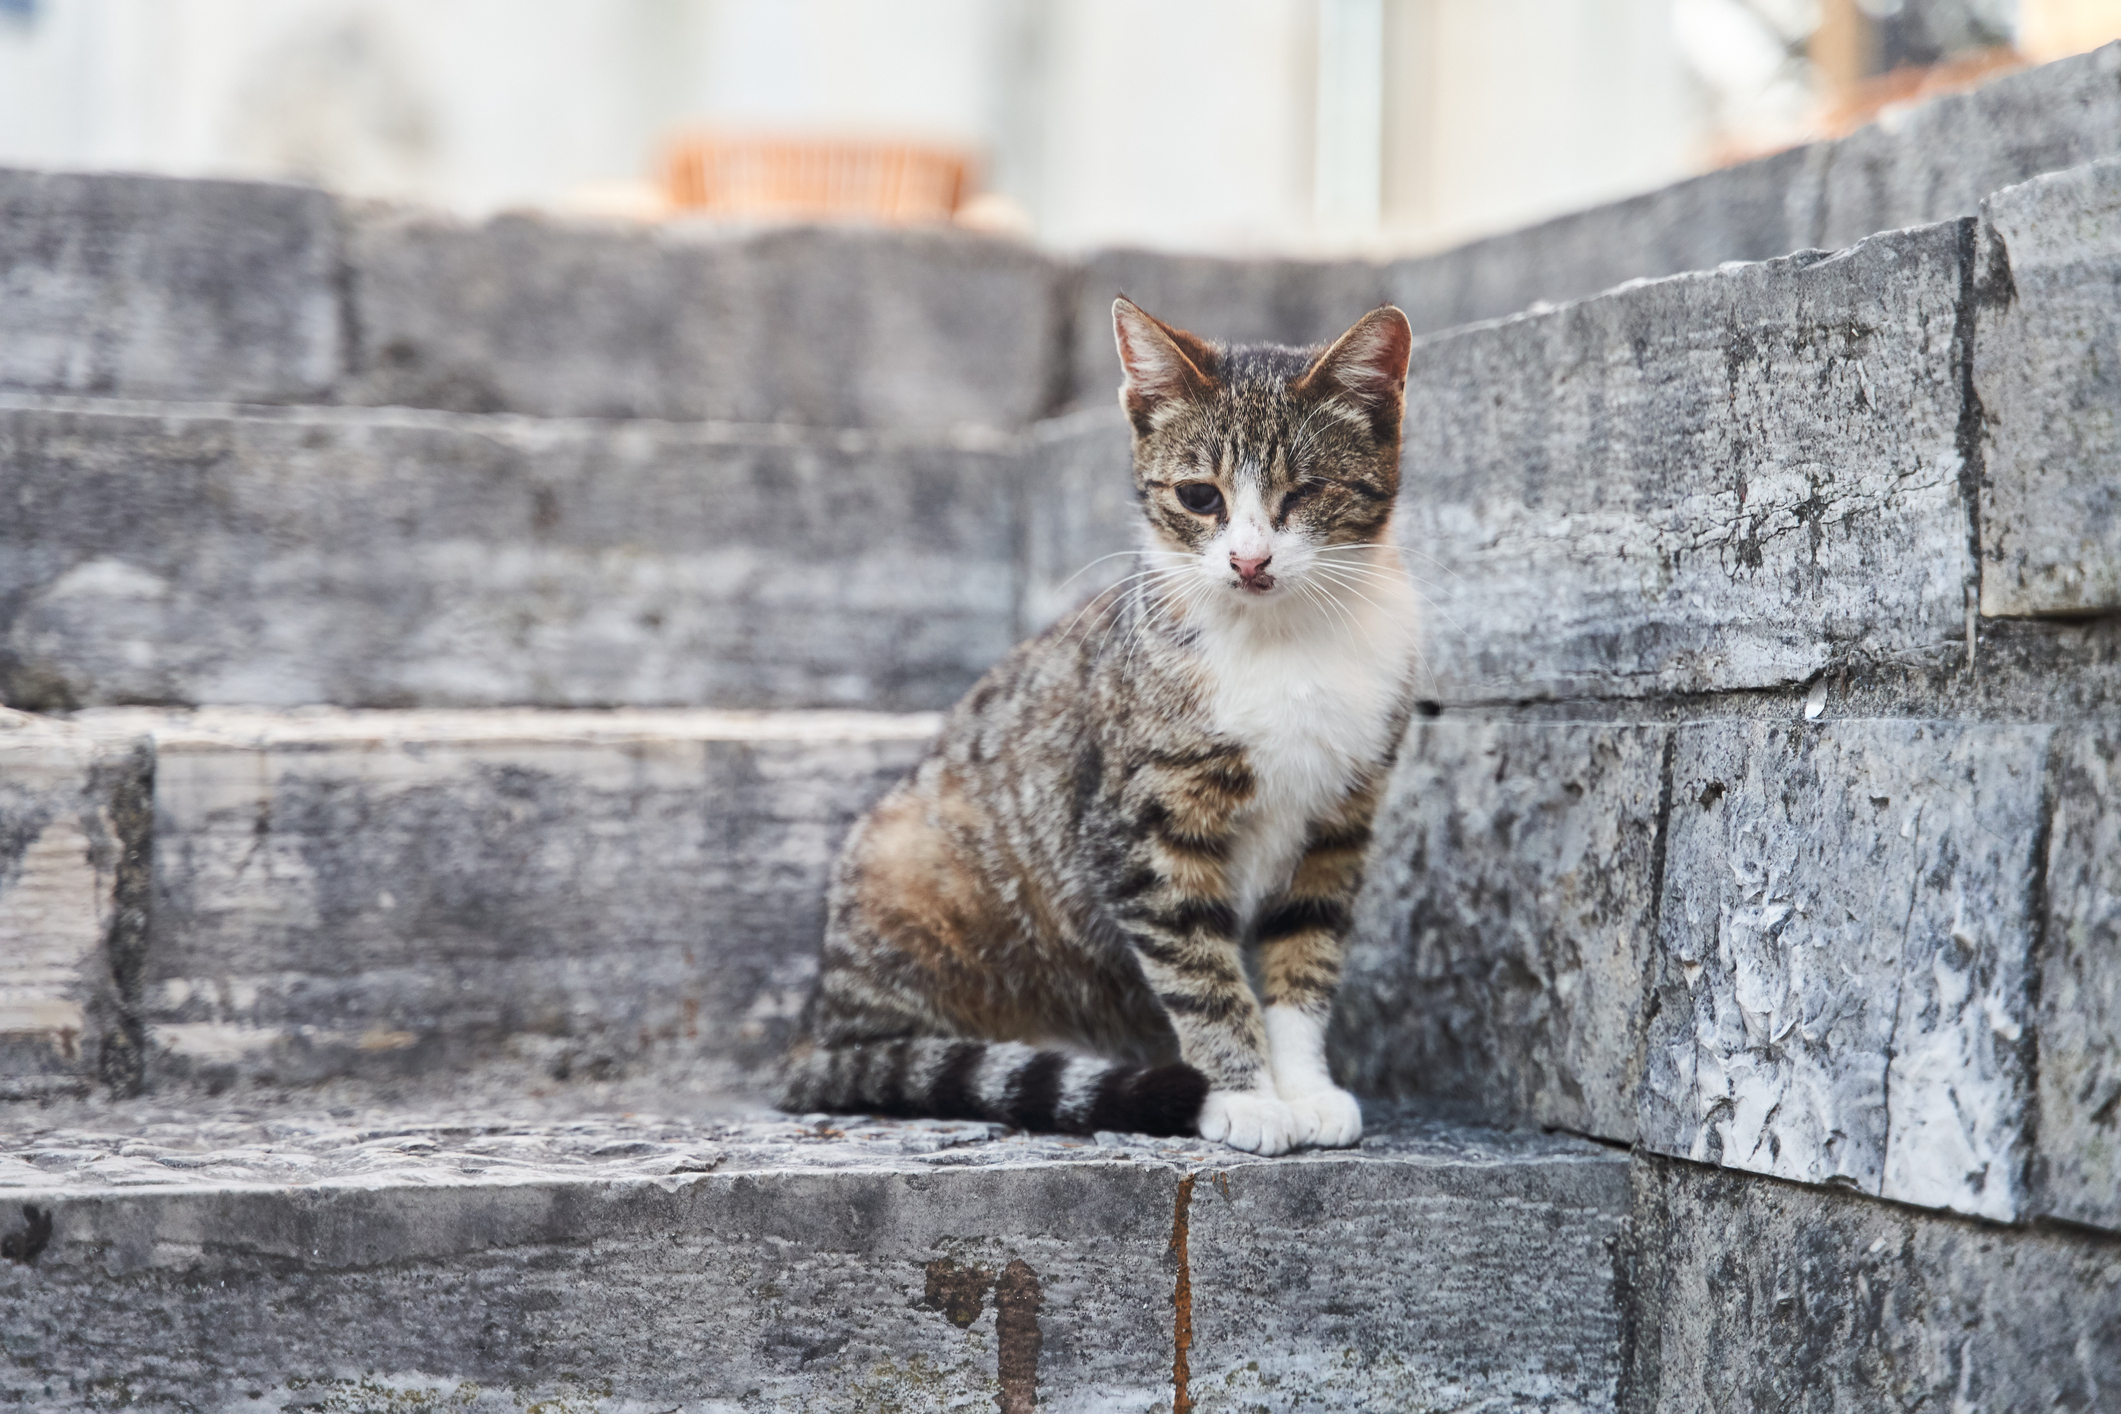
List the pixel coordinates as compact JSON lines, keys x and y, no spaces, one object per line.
{"x":1176,"y":123}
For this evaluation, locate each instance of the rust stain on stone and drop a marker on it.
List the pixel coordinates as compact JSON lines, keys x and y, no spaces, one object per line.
{"x":1016,"y":1303}
{"x":1182,"y":1302}
{"x":958,"y":1292}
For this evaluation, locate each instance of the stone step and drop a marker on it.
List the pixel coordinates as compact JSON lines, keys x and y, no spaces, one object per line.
{"x":175,"y":553}
{"x":153,"y":287}
{"x":279,"y":1258}
{"x":1827,"y":951}
{"x":159,"y":288}
{"x":330,"y":1252}
{"x":562,"y":894}
{"x":1724,"y":481}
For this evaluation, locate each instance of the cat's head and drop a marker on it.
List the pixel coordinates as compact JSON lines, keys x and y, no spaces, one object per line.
{"x":1261,"y":463}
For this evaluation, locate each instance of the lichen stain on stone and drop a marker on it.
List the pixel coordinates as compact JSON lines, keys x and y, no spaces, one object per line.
{"x":28,"y":1245}
{"x":957,"y":1291}
{"x":1182,"y":1302}
{"x":415,"y":1394}
{"x":1016,"y":1302}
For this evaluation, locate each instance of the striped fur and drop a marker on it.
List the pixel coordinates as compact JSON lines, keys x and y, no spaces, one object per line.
{"x":1055,"y":922}
{"x":1050,"y":1091}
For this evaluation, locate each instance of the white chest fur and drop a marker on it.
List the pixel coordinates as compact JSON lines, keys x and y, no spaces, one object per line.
{"x":1311,"y":692}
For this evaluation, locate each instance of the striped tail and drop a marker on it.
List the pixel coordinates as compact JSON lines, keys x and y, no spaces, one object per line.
{"x":1047,"y":1091}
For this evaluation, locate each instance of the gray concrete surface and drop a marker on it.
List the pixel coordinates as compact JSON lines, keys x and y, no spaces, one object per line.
{"x":1712,"y":482}
{"x":1844,"y":989}
{"x":159,"y":287}
{"x":75,"y":854}
{"x":2047,"y":370}
{"x":404,"y":893}
{"x":1502,"y":945}
{"x":1751,"y":1296}
{"x":2077,"y":1155}
{"x":860,"y":327}
{"x":484,"y":1262}
{"x":176,"y":554}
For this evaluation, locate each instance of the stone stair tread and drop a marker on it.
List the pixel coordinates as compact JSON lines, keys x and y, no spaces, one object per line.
{"x":209,"y":727}
{"x":700,"y":1261}
{"x":198,"y":1142}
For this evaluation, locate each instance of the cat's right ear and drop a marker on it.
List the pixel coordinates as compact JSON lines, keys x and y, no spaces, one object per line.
{"x":1164,"y":366}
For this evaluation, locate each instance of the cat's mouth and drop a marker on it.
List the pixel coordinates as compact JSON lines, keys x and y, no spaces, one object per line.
{"x":1257,"y":584}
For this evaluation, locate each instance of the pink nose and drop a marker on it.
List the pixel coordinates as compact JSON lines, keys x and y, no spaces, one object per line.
{"x":1251,"y":571}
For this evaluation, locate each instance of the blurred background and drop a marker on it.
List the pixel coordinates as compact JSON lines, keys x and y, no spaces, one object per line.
{"x":1302,"y":126}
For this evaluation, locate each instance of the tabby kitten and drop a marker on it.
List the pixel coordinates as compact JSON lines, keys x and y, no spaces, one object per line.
{"x":1113,"y":895}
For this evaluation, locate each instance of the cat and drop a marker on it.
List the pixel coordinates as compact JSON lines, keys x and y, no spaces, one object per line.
{"x":1114,"y":893}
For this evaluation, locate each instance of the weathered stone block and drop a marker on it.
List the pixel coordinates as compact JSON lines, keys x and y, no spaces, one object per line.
{"x":588,"y":892}
{"x":1081,"y":519}
{"x":1936,"y":160}
{"x":1757,"y":1296}
{"x":390,"y":558}
{"x":1503,"y":938}
{"x":1227,"y":299}
{"x":810,"y":1290}
{"x":1846,"y":950}
{"x":480,"y":1263}
{"x":1711,"y":482}
{"x":839,"y":327}
{"x":2077,"y":1160}
{"x":1346,"y":1283}
{"x":2047,"y":368}
{"x":156,"y":287}
{"x":1753,"y":211}
{"x":74,"y":858}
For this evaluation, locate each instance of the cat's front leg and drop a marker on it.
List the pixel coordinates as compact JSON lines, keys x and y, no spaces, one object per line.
{"x":1175,"y":909}
{"x":1324,"y":1114}
{"x":1192,"y":964}
{"x":1301,"y":938}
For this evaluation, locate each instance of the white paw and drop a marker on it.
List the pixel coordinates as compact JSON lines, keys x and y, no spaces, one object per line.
{"x":1328,"y":1117}
{"x":1249,"y":1120}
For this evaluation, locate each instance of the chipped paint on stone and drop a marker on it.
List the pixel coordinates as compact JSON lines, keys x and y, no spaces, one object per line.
{"x":1845,"y":937}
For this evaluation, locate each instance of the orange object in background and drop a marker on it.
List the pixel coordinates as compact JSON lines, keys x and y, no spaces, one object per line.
{"x":815,"y":177}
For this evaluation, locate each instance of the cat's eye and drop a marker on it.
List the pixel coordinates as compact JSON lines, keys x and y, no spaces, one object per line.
{"x":1200,"y":497}
{"x":1299,"y":493}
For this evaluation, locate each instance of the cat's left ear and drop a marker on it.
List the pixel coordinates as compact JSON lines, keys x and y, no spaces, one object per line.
{"x":1365,"y":370}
